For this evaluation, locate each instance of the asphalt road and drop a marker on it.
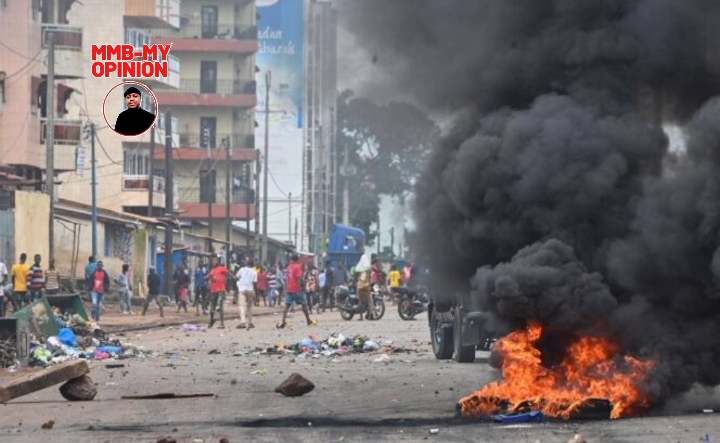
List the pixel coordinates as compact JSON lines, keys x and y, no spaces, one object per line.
{"x":357,"y":396}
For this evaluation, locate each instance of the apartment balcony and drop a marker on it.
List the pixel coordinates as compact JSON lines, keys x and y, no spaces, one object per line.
{"x":221,"y":93}
{"x":199,"y":211}
{"x":68,"y":49}
{"x":193,"y":147}
{"x":227,"y":37}
{"x":67,"y":137}
{"x":135,"y":191}
{"x":152,"y":13}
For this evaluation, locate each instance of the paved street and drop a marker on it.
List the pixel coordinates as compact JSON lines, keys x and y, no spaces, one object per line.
{"x":356,"y":398}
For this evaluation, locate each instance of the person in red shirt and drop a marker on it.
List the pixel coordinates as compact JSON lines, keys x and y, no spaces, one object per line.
{"x":217,"y":279}
{"x":262,"y":285}
{"x":294,"y":290}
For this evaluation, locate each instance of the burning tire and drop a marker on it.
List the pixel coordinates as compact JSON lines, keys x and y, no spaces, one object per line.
{"x":461,"y":354}
{"x":441,"y":334}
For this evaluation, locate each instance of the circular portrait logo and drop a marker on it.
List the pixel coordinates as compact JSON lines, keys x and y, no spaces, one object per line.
{"x":130,"y":108}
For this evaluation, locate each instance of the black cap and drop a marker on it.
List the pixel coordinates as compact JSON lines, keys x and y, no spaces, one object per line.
{"x":132,"y":89}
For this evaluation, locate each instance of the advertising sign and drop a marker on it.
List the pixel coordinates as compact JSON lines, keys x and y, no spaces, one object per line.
{"x":281,"y":38}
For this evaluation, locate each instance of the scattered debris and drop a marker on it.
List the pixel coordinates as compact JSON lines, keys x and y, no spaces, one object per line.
{"x":214,"y":352}
{"x":224,"y":440}
{"x":79,"y":389}
{"x":188,"y":327}
{"x":259,"y":372}
{"x":48,"y":424}
{"x":434,"y":431}
{"x":526,"y":417}
{"x":8,"y":352}
{"x":382,"y":359}
{"x":164,"y":396}
{"x":166,"y":440}
{"x":31,"y":380}
{"x":578,"y":438}
{"x":295,"y":386}
{"x":333,"y":346}
{"x":114,"y":366}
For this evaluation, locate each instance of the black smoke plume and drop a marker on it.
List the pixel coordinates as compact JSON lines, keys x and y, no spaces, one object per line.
{"x":554,"y":196}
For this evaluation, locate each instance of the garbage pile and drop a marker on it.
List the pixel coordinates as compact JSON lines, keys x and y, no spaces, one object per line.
{"x":79,"y":338}
{"x":334,"y":345}
{"x":8,"y":351}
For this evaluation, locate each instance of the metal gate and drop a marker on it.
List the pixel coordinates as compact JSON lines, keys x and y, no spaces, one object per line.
{"x":7,"y":237}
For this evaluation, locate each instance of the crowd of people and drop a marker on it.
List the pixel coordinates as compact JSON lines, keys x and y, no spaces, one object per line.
{"x":25,"y":283}
{"x":207,"y":288}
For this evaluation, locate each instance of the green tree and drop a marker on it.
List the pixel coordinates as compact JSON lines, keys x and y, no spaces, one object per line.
{"x":386,"y":147}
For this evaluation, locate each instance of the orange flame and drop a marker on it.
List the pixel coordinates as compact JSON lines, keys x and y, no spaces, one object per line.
{"x":593,"y":368}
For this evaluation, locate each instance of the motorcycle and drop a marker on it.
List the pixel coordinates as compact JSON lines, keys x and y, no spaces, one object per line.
{"x":411,"y":303}
{"x":348,"y":303}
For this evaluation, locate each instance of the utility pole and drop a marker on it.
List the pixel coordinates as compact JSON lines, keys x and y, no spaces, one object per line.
{"x":151,"y":184}
{"x":93,"y":192}
{"x":346,"y":188}
{"x":378,"y":235}
{"x":296,"y":233}
{"x":50,"y":140}
{"x":228,"y":219}
{"x":290,"y":217}
{"x":256,"y":246}
{"x":392,"y":240}
{"x":264,"y":250}
{"x":211,"y":191}
{"x":169,"y":205}
{"x":248,"y":172}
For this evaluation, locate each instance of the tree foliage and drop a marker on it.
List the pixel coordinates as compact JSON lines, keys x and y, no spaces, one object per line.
{"x":386,"y":147}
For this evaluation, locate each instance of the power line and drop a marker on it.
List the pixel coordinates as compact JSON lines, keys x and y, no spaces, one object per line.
{"x":14,"y":51}
{"x":24,"y":67}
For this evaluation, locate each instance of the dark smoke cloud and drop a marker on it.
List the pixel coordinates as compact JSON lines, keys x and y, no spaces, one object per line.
{"x":552,"y":197}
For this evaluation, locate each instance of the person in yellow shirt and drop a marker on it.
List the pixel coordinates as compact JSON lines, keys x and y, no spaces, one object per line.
{"x":395,"y":282}
{"x":19,"y":275}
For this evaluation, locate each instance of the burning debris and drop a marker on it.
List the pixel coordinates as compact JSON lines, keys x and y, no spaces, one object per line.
{"x":560,"y":134}
{"x":592,"y":376}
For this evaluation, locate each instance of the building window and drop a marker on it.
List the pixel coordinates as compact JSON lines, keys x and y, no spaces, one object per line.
{"x":208,"y":77}
{"x":209,"y":21}
{"x":136,"y":161}
{"x":207,"y":186}
{"x":137,"y":37}
{"x":118,"y":242}
{"x":208,"y":126}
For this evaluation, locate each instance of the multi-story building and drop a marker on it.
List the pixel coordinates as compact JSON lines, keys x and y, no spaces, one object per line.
{"x":213,"y":110}
{"x":24,"y":26}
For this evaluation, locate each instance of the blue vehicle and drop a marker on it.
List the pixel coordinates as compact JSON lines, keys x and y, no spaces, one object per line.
{"x":346,"y":245}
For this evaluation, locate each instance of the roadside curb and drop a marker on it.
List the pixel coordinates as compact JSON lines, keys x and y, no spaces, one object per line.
{"x":178,"y":322}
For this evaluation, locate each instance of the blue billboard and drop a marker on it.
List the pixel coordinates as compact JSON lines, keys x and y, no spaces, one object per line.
{"x":281,"y":39}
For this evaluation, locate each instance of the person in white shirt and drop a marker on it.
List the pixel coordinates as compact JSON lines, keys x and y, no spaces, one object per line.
{"x":3,"y":295}
{"x":246,"y":285}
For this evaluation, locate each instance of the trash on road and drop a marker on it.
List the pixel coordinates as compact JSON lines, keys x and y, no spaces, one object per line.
{"x":295,"y":386}
{"x":48,"y":424}
{"x":166,"y":440}
{"x":382,"y":359}
{"x":527,"y":417}
{"x":577,"y":438}
{"x":191,"y":327}
{"x":434,"y":431}
{"x":335,"y":345}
